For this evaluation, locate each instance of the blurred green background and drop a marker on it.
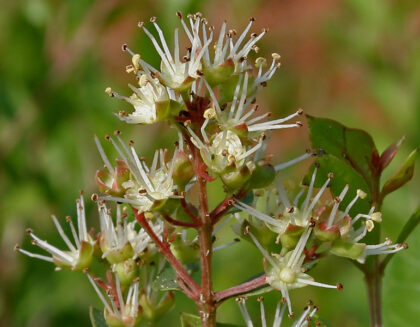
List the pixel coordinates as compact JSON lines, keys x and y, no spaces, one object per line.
{"x":355,"y":61}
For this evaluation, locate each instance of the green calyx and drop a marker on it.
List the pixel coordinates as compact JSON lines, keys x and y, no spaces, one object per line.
{"x":347,"y":249}
{"x":326,"y":234}
{"x":152,"y":310}
{"x":262,"y":176}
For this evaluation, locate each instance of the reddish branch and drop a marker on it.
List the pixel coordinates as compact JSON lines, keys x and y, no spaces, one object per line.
{"x":225,"y":205}
{"x":189,"y":286}
{"x":180,"y":223}
{"x":188,"y":211}
{"x":240,"y":289}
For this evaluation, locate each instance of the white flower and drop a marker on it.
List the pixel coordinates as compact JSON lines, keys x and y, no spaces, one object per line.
{"x":225,"y":48}
{"x":301,"y":321}
{"x":79,"y":255}
{"x":225,"y":152}
{"x":287,"y":212}
{"x":121,"y":241}
{"x":240,"y":112}
{"x":175,"y":72}
{"x":285,"y":272}
{"x":117,"y":309}
{"x":384,"y":248}
{"x":147,"y":187}
{"x":149,"y":100}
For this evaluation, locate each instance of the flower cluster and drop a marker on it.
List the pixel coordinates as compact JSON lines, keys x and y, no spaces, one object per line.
{"x":302,"y":227}
{"x":208,"y":95}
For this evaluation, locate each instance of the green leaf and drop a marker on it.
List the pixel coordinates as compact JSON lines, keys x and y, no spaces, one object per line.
{"x":97,"y":317}
{"x":343,"y":174}
{"x":166,"y":281}
{"x":190,"y":320}
{"x":352,"y":146}
{"x":401,"y":176}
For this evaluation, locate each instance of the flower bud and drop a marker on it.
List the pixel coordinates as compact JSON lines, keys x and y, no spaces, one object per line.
{"x":219,"y":74}
{"x":234,"y":180}
{"x":112,"y":320}
{"x":183,"y":170}
{"x":261,"y":232}
{"x":262,"y":176}
{"x":153,"y":311}
{"x":291,"y":236}
{"x":116,"y":255}
{"x":84,"y":259}
{"x":112,"y":184}
{"x":325,"y":233}
{"x":126,"y":271}
{"x":184,"y":250}
{"x":347,"y":249}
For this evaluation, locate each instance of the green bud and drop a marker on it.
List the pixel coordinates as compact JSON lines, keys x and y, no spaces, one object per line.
{"x":117,"y":255}
{"x":112,"y":184}
{"x":153,"y":311}
{"x":234,"y":180}
{"x":219,"y":74}
{"x":325,"y":233}
{"x":291,"y":236}
{"x":183,"y":170}
{"x":84,"y":260}
{"x":347,"y":249}
{"x":227,"y":88}
{"x":262,"y":176}
{"x":262,"y":233}
{"x":127,"y":321}
{"x":126,"y":271}
{"x":185,"y":251}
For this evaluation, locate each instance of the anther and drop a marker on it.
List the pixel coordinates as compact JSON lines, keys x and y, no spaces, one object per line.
{"x":300,"y":111}
{"x":339,"y":286}
{"x":94,"y":197}
{"x":117,"y":132}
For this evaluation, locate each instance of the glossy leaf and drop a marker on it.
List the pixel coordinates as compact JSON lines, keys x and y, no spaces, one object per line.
{"x":97,"y":317}
{"x":343,"y":174}
{"x":402,"y":175}
{"x":352,"y":146}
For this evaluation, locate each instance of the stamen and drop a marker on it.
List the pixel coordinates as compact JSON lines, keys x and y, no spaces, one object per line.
{"x":62,"y":234}
{"x":313,"y":283}
{"x":336,"y":204}
{"x":292,"y":162}
{"x":35,"y":255}
{"x":103,"y":156}
{"x":263,"y":251}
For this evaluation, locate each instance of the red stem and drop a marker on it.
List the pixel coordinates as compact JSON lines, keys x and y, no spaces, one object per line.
{"x":194,"y":289}
{"x":184,"y":206}
{"x":221,"y":209}
{"x":180,"y":223}
{"x":240,"y":289}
